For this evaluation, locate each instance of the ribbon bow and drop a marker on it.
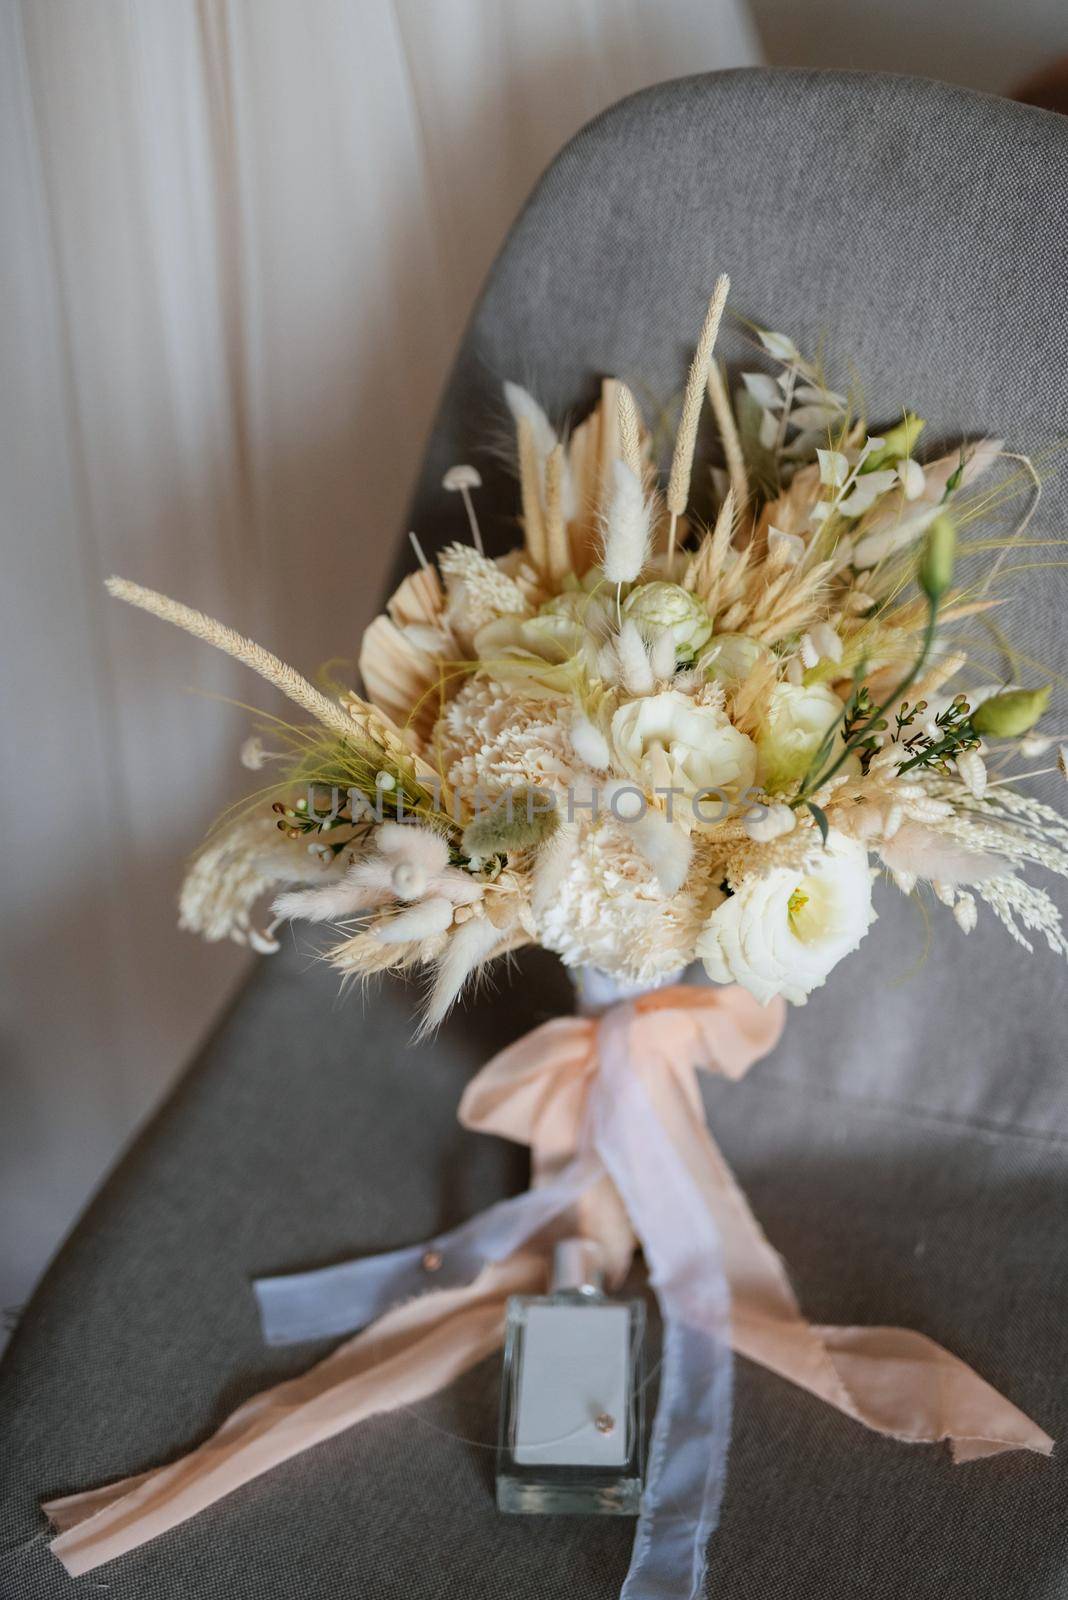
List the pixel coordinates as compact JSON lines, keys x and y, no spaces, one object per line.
{"x":613,"y":1113}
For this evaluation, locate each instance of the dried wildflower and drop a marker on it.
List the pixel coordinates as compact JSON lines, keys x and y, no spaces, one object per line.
{"x":236,"y":869}
{"x":463,"y":479}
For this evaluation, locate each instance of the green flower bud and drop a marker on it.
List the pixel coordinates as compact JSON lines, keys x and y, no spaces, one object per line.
{"x":1008,"y":715}
{"x":936,"y":564}
{"x":899,"y":442}
{"x":653,"y":606}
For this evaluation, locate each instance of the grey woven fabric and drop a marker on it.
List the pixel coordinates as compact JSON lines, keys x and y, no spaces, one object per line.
{"x":905,"y":1147}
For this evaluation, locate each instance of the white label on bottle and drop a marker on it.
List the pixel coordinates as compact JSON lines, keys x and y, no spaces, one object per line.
{"x":575,"y":1374}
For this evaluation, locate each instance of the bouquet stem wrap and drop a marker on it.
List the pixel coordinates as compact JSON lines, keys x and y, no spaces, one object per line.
{"x":613,"y":1113}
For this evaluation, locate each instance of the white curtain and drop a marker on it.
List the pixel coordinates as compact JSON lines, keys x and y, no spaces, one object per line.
{"x":241,"y":238}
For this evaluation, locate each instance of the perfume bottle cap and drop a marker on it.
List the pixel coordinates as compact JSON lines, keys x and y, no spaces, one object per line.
{"x":578,"y":1264}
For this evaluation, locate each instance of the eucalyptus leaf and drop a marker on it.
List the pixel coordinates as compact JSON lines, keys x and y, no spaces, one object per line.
{"x":819,"y":396}
{"x":769,"y":429}
{"x":834,"y":468}
{"x":765,"y":390}
{"x":778,"y":345}
{"x":814,"y":416}
{"x":821,"y":821}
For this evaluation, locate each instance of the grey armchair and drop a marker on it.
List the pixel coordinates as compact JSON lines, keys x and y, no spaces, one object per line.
{"x":906,"y":1147}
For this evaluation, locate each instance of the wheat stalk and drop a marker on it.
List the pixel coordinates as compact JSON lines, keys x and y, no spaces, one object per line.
{"x":686,"y":438}
{"x":723,"y":411}
{"x":704,"y":570}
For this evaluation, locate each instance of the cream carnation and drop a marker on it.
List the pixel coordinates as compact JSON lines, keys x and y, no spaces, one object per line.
{"x":610,"y":912}
{"x":667,"y":741}
{"x":490,"y":738}
{"x":795,"y":724}
{"x":781,"y":933}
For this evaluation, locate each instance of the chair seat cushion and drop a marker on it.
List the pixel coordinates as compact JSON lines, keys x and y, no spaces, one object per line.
{"x":312,"y":1129}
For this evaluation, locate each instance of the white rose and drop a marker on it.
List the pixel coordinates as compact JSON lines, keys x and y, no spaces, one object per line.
{"x":783,"y":932}
{"x":659,"y":605}
{"x":666,"y":741}
{"x":794,"y":727}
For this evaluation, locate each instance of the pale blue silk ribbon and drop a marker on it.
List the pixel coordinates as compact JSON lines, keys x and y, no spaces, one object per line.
{"x":691,"y":1434}
{"x":342,"y":1298}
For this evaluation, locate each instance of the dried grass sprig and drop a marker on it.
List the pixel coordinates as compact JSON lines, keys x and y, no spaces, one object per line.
{"x":723,"y":412}
{"x":232,"y":643}
{"x":686,"y":439}
{"x":702,"y":573}
{"x":630,"y":431}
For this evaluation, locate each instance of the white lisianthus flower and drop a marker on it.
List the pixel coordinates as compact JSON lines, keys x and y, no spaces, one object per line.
{"x":794,"y":726}
{"x":585,"y":609}
{"x":536,"y":651}
{"x":666,"y":741}
{"x":657,"y":606}
{"x":551,"y":638}
{"x":782,"y":933}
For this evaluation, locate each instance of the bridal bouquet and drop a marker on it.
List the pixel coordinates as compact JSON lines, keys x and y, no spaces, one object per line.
{"x":684,"y":718}
{"x":639,"y":738}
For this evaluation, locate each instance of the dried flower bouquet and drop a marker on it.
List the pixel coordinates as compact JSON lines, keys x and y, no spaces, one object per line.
{"x":637,"y":739}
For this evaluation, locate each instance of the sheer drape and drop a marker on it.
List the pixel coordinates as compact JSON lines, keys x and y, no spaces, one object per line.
{"x":240,"y":242}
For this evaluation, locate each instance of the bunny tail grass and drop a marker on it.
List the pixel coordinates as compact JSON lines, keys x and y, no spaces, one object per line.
{"x":290,"y":682}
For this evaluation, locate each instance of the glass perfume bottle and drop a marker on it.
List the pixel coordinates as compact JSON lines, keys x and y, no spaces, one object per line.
{"x":572,"y":1395}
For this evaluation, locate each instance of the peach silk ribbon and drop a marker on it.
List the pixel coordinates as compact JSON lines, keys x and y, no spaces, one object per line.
{"x":894,"y":1381}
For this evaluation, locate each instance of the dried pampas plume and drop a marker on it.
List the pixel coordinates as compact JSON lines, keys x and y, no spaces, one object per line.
{"x":530,"y":496}
{"x":552,"y":866}
{"x":590,"y":744}
{"x":634,"y":666}
{"x":667,"y":849}
{"x":469,"y":947}
{"x":525,"y":409}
